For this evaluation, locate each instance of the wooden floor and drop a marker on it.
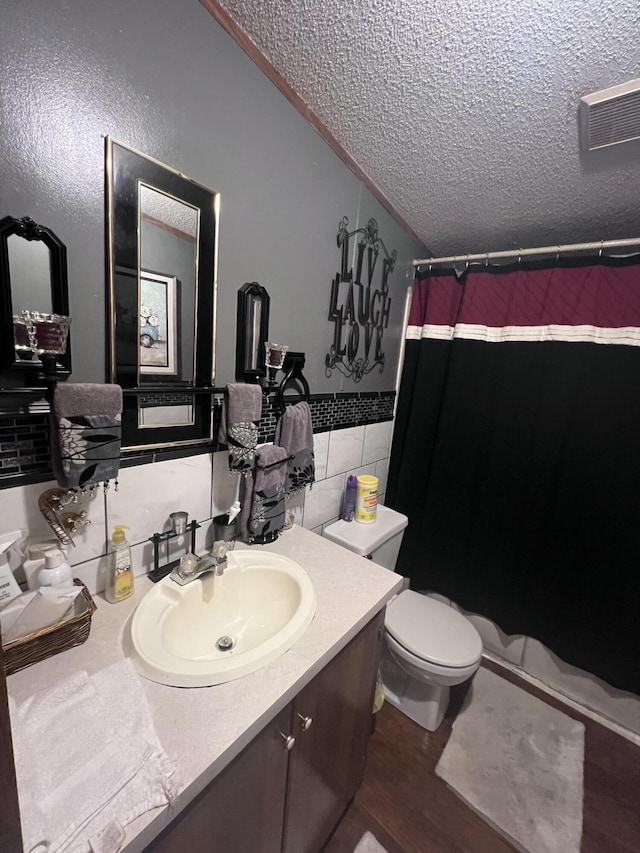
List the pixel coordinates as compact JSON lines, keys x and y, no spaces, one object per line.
{"x":411,"y":810}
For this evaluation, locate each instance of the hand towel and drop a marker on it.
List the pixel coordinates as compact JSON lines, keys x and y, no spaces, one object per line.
{"x":241,"y":411}
{"x":86,"y":428}
{"x":263,"y":504}
{"x":295,"y":433}
{"x":87,"y":754}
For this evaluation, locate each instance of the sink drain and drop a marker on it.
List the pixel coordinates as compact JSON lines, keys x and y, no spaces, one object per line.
{"x":225,"y":644}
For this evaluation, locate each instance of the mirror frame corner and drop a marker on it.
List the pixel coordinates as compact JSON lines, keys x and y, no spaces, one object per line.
{"x":122,"y":186}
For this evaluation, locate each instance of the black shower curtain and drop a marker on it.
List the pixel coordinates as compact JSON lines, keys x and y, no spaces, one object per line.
{"x":516,"y":454}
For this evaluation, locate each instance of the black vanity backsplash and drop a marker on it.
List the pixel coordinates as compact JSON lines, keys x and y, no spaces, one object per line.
{"x":24,"y":439}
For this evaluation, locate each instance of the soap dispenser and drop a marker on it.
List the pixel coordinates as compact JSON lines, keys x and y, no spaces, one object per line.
{"x":120,"y":572}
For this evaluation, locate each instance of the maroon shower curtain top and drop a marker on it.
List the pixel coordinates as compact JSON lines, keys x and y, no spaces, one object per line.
{"x":516,"y":454}
{"x":598,"y":304}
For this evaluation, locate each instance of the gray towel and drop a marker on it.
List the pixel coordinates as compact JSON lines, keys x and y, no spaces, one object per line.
{"x":86,"y":427}
{"x":241,"y":412}
{"x":263,"y":503}
{"x":295,"y":434}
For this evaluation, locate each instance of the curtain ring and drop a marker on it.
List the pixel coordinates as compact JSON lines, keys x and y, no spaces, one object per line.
{"x":486,"y":261}
{"x":429,"y":270}
{"x":558,"y":254}
{"x":601,"y":245}
{"x":519,"y":257}
{"x":466,"y":266}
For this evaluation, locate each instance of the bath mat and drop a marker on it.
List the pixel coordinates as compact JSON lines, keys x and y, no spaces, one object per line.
{"x":518,"y":763}
{"x":369,"y":844}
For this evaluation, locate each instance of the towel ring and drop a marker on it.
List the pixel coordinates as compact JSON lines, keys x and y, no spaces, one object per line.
{"x":293,"y":364}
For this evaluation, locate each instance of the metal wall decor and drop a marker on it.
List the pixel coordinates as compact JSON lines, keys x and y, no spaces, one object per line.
{"x":358,"y":309}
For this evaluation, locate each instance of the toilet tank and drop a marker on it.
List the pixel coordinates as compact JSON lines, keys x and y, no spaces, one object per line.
{"x":379,"y":541}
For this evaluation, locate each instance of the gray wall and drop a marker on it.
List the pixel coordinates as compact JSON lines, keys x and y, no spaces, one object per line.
{"x":164,"y":78}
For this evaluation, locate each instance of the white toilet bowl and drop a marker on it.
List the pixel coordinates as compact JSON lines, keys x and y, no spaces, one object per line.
{"x":429,"y":646}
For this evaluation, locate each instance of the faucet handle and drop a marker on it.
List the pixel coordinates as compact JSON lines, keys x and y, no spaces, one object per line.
{"x":188,"y":563}
{"x":219,"y":549}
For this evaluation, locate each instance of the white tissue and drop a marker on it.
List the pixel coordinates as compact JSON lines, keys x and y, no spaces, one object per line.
{"x":33,"y":611}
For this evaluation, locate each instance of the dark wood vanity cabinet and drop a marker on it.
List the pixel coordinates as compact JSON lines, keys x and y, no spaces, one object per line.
{"x":284,"y":796}
{"x":10,"y":830}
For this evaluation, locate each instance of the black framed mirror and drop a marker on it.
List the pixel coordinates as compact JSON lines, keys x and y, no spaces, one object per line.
{"x":33,"y":277}
{"x":162,"y":266}
{"x":252,"y":332}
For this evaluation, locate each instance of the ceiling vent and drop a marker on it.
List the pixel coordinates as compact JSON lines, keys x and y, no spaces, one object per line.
{"x":610,"y":116}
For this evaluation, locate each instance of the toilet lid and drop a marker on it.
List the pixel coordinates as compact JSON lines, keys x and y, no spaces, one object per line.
{"x":432,"y":630}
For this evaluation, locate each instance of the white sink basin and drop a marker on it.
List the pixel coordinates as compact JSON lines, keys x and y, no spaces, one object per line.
{"x":262,"y":604}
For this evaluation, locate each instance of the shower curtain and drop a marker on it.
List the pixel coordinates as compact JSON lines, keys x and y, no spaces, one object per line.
{"x":516,"y":453}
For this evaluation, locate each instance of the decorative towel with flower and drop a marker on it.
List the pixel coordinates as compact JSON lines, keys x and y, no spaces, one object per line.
{"x":294,"y":433}
{"x":86,"y":427}
{"x":241,"y":412}
{"x":262,"y":496}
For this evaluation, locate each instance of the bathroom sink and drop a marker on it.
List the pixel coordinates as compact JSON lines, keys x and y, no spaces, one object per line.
{"x":218,"y":628}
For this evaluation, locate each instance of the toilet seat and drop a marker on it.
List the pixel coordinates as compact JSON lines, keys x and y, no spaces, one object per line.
{"x":425,"y":671}
{"x":432,"y":632}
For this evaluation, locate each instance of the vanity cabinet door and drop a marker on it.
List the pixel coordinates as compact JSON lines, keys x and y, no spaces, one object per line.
{"x":326,"y":763}
{"x":10,"y":830}
{"x":241,"y":810}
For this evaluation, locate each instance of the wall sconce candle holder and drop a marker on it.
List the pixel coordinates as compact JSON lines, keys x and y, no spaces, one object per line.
{"x":43,"y":335}
{"x":274,"y":360}
{"x":33,"y":273}
{"x":252,"y":332}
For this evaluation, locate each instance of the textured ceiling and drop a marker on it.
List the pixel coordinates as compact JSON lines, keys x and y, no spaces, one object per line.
{"x":464,"y":112}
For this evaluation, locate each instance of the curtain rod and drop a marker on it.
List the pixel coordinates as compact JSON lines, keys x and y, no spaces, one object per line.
{"x":522,"y":253}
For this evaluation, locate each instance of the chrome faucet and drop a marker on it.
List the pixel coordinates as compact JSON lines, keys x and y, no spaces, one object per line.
{"x":192,"y":567}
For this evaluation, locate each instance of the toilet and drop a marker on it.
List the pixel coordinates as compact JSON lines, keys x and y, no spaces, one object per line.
{"x":430,"y":647}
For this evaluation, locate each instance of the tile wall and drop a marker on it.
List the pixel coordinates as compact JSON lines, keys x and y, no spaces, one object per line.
{"x":203,"y":486}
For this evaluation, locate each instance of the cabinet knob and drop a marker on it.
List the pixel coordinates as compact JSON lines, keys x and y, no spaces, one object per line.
{"x":306,"y":722}
{"x":289,"y":741}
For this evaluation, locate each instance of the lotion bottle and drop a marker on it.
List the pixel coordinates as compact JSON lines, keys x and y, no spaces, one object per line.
{"x":56,"y":572}
{"x":120,"y":572}
{"x":34,"y":560}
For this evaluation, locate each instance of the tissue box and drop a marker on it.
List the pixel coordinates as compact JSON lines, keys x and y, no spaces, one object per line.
{"x":56,"y":638}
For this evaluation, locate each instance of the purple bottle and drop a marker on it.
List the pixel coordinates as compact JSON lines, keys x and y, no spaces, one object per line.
{"x":349,"y":503}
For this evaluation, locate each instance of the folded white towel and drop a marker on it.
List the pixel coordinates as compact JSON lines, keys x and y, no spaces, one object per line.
{"x":86,"y":754}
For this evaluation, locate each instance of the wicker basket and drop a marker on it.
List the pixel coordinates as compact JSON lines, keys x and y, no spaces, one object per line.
{"x":41,"y":644}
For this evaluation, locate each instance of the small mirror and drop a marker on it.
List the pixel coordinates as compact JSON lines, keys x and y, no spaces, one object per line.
{"x":162,"y":266}
{"x":30,"y":272}
{"x":33,"y":278}
{"x":252,"y":331}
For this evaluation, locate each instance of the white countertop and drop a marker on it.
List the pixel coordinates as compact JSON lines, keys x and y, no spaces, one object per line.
{"x":203,"y":729}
